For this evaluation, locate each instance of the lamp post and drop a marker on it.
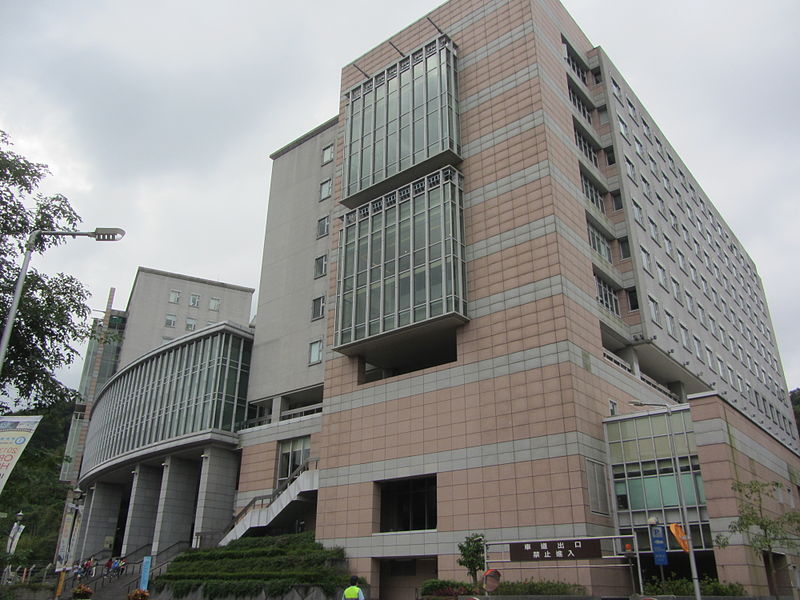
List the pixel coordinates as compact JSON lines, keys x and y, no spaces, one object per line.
{"x":101,"y":234}
{"x":681,"y":497}
{"x":77,"y":496}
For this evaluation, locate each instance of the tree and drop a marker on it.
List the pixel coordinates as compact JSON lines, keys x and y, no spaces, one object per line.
{"x":472,"y":555}
{"x":34,"y":487}
{"x":794,"y":396}
{"x":763,"y":531}
{"x":52,"y":315}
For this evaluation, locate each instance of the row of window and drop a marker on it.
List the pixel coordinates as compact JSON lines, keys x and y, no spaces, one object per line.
{"x":194,"y":300}
{"x":171,"y":322}
{"x":728,"y":253}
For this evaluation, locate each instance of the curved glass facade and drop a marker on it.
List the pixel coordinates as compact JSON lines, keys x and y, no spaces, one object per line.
{"x":195,"y":384}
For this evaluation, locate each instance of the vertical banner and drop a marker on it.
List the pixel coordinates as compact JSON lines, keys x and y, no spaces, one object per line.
{"x":144,"y":578}
{"x":15,"y":433}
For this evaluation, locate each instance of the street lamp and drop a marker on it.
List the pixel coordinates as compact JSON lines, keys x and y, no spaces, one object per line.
{"x":101,"y":234}
{"x":681,"y":498}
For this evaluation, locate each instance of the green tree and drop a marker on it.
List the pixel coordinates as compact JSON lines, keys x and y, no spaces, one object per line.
{"x":765,"y":532}
{"x":52,"y":315}
{"x":34,"y":487}
{"x":472,"y":555}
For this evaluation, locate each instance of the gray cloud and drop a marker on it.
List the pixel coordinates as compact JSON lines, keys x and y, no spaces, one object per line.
{"x":159,"y":117}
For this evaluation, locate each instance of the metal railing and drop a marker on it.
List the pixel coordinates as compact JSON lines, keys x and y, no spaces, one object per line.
{"x":262,"y":502}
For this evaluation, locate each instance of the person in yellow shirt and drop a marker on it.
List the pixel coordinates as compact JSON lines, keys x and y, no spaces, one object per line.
{"x":353,"y":592}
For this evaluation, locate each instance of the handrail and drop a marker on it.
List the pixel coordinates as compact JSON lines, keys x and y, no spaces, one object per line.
{"x":622,"y":364}
{"x":270,"y":498}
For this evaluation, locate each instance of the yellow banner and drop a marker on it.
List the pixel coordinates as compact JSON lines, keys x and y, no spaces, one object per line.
{"x":15,"y":433}
{"x":680,"y":536}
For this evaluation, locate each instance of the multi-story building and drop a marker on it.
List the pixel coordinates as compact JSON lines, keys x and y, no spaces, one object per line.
{"x":151,"y":452}
{"x":475,"y":276}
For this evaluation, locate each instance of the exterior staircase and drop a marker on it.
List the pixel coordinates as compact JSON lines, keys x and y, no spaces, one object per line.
{"x":262,"y":510}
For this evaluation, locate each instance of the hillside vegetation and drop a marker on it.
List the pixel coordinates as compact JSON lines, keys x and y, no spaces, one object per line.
{"x":249,"y":566}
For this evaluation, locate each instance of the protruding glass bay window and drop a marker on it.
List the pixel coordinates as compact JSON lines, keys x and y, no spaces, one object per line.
{"x":405,"y":116}
{"x":402,"y":261}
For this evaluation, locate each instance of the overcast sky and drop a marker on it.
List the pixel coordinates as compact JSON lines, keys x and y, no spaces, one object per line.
{"x":158,"y":117}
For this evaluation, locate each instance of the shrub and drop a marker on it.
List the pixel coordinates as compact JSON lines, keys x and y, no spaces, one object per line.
{"x":531,"y":587}
{"x":139,"y":594}
{"x":446,"y":588}
{"x":675,"y":586}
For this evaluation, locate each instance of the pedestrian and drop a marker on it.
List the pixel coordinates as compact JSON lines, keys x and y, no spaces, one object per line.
{"x":353,"y":592}
{"x":109,"y":564}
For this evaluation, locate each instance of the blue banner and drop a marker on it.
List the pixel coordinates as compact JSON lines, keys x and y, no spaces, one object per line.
{"x":144,"y":578}
{"x":658,"y":541}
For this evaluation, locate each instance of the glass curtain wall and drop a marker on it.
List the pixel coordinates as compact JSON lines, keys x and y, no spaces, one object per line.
{"x":644,"y":479}
{"x":195,"y":386}
{"x":402,"y":259}
{"x":402,"y":116}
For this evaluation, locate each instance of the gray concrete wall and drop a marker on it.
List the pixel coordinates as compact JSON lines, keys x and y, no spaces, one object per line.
{"x":176,"y":504}
{"x":149,"y":304}
{"x":288,"y":286}
{"x":100,"y":517}
{"x":143,"y":508}
{"x":216,"y":493}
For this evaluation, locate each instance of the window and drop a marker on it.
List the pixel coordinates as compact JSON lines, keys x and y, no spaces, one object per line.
{"x":630,"y":169}
{"x":685,"y":337}
{"x":325,"y":189}
{"x":293,"y":453}
{"x":194,"y":300}
{"x":637,"y":212}
{"x":598,"y":481}
{"x":670,"y":323}
{"x":646,"y":262}
{"x":646,"y":187}
{"x":689,"y":303}
{"x":653,"y":230}
{"x":616,"y":88}
{"x":646,"y":128}
{"x":327,"y":154}
{"x":606,"y":295}
{"x":624,"y":248}
{"x":408,"y":504}
{"x":174,"y":296}
{"x":323,"y":225}
{"x":633,"y":299}
{"x":598,"y":242}
{"x":315,"y":352}
{"x":170,"y":321}
{"x":662,"y":274}
{"x":213,"y":303}
{"x":318,"y":308}
{"x":616,"y":201}
{"x":676,"y":289}
{"x":668,"y":245}
{"x":638,"y":145}
{"x":191,"y":324}
{"x":631,"y":109}
{"x":698,"y":348}
{"x":320,"y":266}
{"x":655,"y":313}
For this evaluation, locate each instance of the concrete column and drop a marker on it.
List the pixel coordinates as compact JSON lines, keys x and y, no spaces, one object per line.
{"x":277,"y":406}
{"x":215,"y":496}
{"x":176,"y":503}
{"x":143,"y":508}
{"x":81,"y":528}
{"x":100,"y":518}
